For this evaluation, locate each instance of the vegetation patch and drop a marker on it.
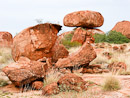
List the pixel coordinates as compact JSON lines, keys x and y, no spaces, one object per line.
{"x":111,"y":37}
{"x":111,"y":84}
{"x":66,"y":41}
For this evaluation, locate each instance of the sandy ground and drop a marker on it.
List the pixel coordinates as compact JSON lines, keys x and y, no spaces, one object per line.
{"x":10,"y":91}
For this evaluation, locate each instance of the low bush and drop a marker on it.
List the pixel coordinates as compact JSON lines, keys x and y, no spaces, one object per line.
{"x":66,"y":41}
{"x":111,"y":37}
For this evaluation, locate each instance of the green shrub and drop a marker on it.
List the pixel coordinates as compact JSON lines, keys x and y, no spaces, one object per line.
{"x":66,"y":41}
{"x":111,"y":37}
{"x":111,"y":84}
{"x":99,"y":38}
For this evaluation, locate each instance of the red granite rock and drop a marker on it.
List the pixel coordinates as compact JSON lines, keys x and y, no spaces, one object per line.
{"x":35,"y":42}
{"x":83,"y":19}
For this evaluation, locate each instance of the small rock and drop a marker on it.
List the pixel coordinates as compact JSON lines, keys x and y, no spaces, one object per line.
{"x":37,"y":85}
{"x":50,"y":89}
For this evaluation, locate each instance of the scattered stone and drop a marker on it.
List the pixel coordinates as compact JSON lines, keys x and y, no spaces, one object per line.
{"x":123,"y":47}
{"x":72,"y":82}
{"x":117,"y":66}
{"x":84,"y":19}
{"x":93,"y":69}
{"x":107,"y":54}
{"x":115,"y":48}
{"x":51,"y":89}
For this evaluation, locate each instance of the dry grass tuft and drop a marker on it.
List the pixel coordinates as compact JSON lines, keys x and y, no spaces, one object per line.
{"x":111,"y":84}
{"x":52,"y":76}
{"x":5,"y":57}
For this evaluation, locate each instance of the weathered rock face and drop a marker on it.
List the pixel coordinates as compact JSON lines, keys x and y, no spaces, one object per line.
{"x":59,"y":51}
{"x":79,"y":35}
{"x":123,"y":27}
{"x":6,"y":39}
{"x":72,"y":82}
{"x":50,"y":89}
{"x":83,"y":56}
{"x":35,"y":42}
{"x":24,"y":71}
{"x":84,"y":19}
{"x":83,"y":34}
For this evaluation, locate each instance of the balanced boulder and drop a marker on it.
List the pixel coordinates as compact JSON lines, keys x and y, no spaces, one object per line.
{"x":84,"y":19}
{"x":35,"y":42}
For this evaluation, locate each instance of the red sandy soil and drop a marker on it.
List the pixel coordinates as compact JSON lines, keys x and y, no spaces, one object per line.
{"x":124,"y":92}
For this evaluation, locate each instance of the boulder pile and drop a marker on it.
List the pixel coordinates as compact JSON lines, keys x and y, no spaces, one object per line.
{"x":37,"y":49}
{"x":84,"y":21}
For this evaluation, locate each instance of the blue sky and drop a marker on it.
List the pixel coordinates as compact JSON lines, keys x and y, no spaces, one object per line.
{"x":16,"y":15}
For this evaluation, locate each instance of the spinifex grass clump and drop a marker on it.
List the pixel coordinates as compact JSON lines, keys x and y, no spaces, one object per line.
{"x":5,"y":56}
{"x":111,"y":84}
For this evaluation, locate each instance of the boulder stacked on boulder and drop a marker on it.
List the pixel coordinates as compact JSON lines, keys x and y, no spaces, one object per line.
{"x":34,"y":49}
{"x":6,"y":39}
{"x":85,"y":21}
{"x":37,"y":49}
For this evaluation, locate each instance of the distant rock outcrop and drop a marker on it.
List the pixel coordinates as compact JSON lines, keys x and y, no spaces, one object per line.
{"x":84,"y":19}
{"x":6,"y":39}
{"x":123,"y":27}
